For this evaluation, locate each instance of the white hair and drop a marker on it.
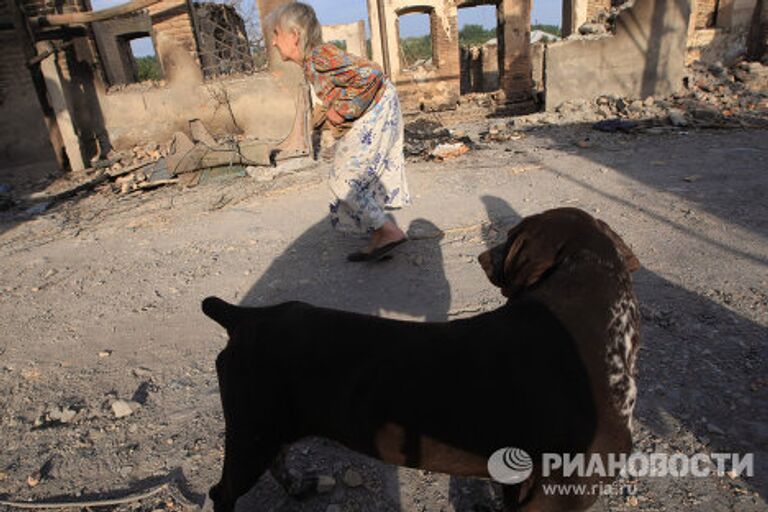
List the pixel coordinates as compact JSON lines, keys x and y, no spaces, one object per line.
{"x":300,"y":17}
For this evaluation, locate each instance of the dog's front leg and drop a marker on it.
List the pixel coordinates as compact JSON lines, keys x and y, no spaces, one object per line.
{"x":244,"y":463}
{"x":248,"y":453}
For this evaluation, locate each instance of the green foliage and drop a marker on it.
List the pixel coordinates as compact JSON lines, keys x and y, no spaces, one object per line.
{"x":475,"y":35}
{"x":415,"y":49}
{"x":148,"y":68}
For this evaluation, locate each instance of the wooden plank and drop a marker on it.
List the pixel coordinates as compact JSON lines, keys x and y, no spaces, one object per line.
{"x":74,"y":18}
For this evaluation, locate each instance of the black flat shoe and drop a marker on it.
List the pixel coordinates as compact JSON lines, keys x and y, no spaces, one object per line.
{"x":377,"y":254}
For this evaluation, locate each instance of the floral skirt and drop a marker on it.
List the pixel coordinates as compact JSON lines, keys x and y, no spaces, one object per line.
{"x":368,"y":174}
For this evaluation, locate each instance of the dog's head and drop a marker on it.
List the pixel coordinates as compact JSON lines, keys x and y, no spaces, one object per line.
{"x":540,"y":242}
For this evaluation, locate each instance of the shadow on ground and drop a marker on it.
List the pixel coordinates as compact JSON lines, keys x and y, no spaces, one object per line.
{"x":410,"y":285}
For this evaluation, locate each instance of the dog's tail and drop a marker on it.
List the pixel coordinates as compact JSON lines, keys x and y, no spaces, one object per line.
{"x":222,"y":312}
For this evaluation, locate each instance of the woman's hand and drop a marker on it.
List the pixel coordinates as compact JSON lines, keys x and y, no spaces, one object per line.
{"x":334,"y":117}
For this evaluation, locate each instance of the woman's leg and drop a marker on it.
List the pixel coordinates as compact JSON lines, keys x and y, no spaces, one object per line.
{"x":368,"y":174}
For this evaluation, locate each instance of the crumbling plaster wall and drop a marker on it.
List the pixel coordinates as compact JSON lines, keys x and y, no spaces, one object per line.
{"x":259,"y":105}
{"x":645,"y":57}
{"x":353,"y":34}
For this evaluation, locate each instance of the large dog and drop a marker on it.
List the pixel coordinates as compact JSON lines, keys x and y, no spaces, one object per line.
{"x":551,"y":371}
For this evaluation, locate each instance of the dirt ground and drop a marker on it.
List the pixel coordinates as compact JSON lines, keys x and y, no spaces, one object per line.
{"x":100,"y":302}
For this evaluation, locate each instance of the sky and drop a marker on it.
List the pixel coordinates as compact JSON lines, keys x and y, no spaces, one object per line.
{"x":331,"y":12}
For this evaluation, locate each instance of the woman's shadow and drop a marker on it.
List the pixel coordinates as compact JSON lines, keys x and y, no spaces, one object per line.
{"x":412,"y":284}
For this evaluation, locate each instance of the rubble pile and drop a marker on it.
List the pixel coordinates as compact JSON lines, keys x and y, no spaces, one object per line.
{"x":424,"y":135}
{"x":184,"y":160}
{"x":713,"y":97}
{"x":430,"y":140}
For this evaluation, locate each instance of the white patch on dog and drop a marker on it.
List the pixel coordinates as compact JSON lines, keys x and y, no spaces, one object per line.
{"x":623,"y":335}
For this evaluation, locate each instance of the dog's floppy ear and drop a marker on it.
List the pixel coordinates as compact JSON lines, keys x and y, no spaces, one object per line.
{"x":222,"y":312}
{"x":527,"y":255}
{"x":629,"y":257}
{"x":531,"y":254}
{"x":492,"y":262}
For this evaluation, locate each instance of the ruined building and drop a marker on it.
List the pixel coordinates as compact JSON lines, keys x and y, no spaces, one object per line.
{"x":68,"y":91}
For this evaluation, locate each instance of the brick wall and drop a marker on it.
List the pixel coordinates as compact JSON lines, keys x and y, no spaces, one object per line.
{"x":705,"y":13}
{"x":172,"y":18}
{"x":516,"y":79}
{"x":594,"y":7}
{"x":23,"y":132}
{"x":444,"y":51}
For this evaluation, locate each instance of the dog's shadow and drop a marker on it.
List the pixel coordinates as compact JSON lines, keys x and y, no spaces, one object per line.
{"x":411,"y":285}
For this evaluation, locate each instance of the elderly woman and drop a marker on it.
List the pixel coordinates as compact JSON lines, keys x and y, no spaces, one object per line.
{"x":361,"y":106}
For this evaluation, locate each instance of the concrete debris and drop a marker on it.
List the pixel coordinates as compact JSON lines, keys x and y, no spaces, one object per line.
{"x":33,"y":480}
{"x":123,"y":408}
{"x":352,"y":478}
{"x":325,"y":483}
{"x":501,"y":132}
{"x":753,"y":75}
{"x":592,"y":29}
{"x":262,"y":173}
{"x":448,"y":151}
{"x":200,"y":133}
{"x":59,"y":415}
{"x":677,"y":118}
{"x":142,"y":372}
